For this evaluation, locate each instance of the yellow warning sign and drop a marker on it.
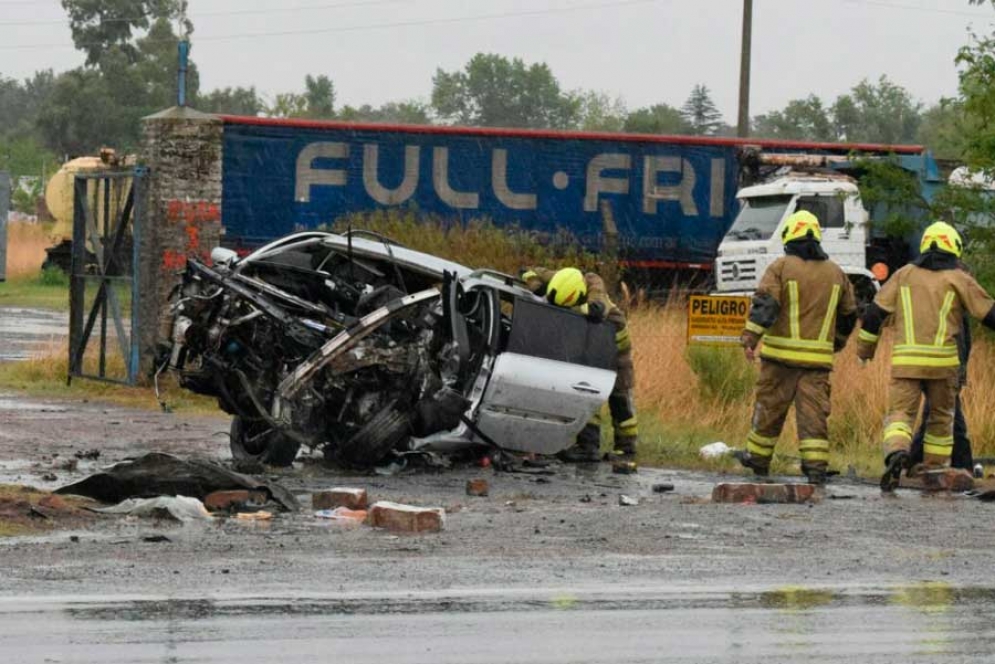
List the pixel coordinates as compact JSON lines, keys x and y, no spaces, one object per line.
{"x":716,"y":320}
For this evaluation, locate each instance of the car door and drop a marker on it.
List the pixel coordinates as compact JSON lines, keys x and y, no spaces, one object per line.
{"x":555,"y":371}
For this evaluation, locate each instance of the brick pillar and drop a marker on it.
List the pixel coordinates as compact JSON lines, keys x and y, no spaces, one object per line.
{"x":182,"y":151}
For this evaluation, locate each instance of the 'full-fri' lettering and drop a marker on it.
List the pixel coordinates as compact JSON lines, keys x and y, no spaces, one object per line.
{"x":606,"y":174}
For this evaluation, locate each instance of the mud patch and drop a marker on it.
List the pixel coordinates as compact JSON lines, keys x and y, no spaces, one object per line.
{"x":25,"y":510}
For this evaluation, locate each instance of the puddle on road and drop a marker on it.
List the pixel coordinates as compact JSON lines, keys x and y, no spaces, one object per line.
{"x":926,"y":598}
{"x":23,"y":332}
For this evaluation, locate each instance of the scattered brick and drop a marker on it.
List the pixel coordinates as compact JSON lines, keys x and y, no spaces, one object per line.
{"x":223,"y":501}
{"x":353,"y":499}
{"x":477,"y":487}
{"x":764,"y":493}
{"x":949,"y":479}
{"x":407,"y":518}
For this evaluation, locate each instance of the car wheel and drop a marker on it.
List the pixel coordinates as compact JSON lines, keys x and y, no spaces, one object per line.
{"x":271,"y":448}
{"x":376,"y":438}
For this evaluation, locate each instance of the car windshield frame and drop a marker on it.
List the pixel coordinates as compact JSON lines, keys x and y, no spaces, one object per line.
{"x":759,"y":222}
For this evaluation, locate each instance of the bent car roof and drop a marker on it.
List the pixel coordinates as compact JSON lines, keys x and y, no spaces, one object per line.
{"x":407,"y":258}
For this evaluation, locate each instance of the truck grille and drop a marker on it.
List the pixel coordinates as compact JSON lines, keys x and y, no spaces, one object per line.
{"x":738,"y":270}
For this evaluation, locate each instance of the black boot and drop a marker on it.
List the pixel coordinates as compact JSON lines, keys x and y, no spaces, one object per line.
{"x":625,"y":447}
{"x":894,"y":464}
{"x":587,"y":449}
{"x":759,"y":468}
{"x":816,"y":476}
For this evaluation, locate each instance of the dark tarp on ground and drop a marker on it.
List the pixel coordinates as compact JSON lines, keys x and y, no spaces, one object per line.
{"x":157,"y":474}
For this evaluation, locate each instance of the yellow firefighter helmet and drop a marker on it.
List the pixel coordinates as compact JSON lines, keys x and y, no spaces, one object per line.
{"x":941,"y":236}
{"x":567,"y":288}
{"x":801,"y":225}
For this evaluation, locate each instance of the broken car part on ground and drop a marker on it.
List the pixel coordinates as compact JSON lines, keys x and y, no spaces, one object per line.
{"x":359,"y":347}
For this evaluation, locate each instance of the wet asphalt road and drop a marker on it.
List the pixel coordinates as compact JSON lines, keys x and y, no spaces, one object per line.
{"x":547,"y":569}
{"x":920,"y":623}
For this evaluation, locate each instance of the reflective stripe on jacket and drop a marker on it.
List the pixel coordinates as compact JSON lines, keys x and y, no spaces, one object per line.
{"x":810,"y":295}
{"x":926,"y":310}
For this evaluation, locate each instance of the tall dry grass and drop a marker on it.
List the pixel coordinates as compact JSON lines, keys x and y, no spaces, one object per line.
{"x":682,"y":413}
{"x":26,"y":245}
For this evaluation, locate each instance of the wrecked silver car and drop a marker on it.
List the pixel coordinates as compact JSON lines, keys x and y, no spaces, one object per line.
{"x":362,"y":348}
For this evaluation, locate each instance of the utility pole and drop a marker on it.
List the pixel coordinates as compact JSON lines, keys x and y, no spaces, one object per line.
{"x":184,"y":58}
{"x":743,"y":129}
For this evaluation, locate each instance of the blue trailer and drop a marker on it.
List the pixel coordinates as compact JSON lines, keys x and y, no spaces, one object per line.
{"x":672,"y":198}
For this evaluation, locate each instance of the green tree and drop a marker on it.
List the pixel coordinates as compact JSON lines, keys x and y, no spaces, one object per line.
{"x":600,"y":111}
{"x":877,"y":113}
{"x":657,"y":119}
{"x":233,"y":101}
{"x":944,"y":129}
{"x":100,"y":25}
{"x":90,"y":107}
{"x":802,"y":119}
{"x":319,"y":95}
{"x":493,"y":91}
{"x":700,"y":112}
{"x":393,"y":112}
{"x":288,"y":105}
{"x":976,"y":61}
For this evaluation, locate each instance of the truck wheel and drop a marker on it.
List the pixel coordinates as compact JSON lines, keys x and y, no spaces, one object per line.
{"x":271,"y":448}
{"x":377,"y":437}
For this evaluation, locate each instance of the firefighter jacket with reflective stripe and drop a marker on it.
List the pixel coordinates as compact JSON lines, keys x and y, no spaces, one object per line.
{"x":926,"y":309}
{"x":796,"y":309}
{"x":538,"y":278}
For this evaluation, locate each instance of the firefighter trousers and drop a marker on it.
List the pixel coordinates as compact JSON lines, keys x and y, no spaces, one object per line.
{"x":622,"y":405}
{"x":809,"y":390}
{"x":904,"y":396}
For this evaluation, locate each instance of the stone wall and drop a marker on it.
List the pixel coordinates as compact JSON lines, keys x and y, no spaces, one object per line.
{"x":182,"y":215}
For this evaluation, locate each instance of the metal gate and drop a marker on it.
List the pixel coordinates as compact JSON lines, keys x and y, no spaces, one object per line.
{"x":104,"y":289}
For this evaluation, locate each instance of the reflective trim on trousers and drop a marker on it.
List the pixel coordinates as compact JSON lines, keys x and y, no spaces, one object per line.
{"x":761,"y":446}
{"x":814,"y":449}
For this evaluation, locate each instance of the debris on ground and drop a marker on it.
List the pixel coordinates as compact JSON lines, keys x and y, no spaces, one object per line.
{"x":261,"y":515}
{"x":624,"y":467}
{"x":406,"y":518}
{"x":157,"y":474}
{"x":663,"y":487}
{"x":714,"y":450}
{"x":237,"y":500}
{"x":477,"y":487}
{"x":25,"y":510}
{"x":343,"y":515}
{"x":353,"y":499}
{"x":173,"y":508}
{"x":762,"y":494}
{"x":627,"y":501}
{"x":89,"y":455}
{"x":955,"y":480}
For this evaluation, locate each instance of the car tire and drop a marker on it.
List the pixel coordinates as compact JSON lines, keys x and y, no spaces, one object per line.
{"x":376,"y":438}
{"x":274,"y":449}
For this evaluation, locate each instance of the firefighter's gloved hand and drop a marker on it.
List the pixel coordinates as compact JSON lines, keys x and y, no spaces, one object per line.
{"x":596,"y":311}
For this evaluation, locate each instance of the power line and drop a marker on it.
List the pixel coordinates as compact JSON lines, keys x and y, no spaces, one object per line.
{"x":231,"y":12}
{"x":919,"y":8}
{"x":363,"y":28}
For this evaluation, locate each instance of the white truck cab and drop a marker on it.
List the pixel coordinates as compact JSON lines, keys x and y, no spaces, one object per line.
{"x":754,"y":240}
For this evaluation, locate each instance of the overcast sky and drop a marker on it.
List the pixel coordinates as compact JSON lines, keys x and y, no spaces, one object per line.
{"x":645,"y":51}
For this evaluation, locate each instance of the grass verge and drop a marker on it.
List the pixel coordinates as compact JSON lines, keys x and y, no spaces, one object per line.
{"x":45,"y":376}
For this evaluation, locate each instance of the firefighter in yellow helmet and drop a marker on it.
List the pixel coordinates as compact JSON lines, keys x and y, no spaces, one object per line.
{"x":924,"y":302}
{"x":803,"y":310}
{"x":586,"y":293}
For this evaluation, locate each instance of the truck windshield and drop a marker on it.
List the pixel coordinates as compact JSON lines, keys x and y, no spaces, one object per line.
{"x":758,"y":217}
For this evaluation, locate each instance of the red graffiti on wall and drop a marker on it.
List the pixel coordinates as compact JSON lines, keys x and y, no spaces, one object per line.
{"x":192,"y":215}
